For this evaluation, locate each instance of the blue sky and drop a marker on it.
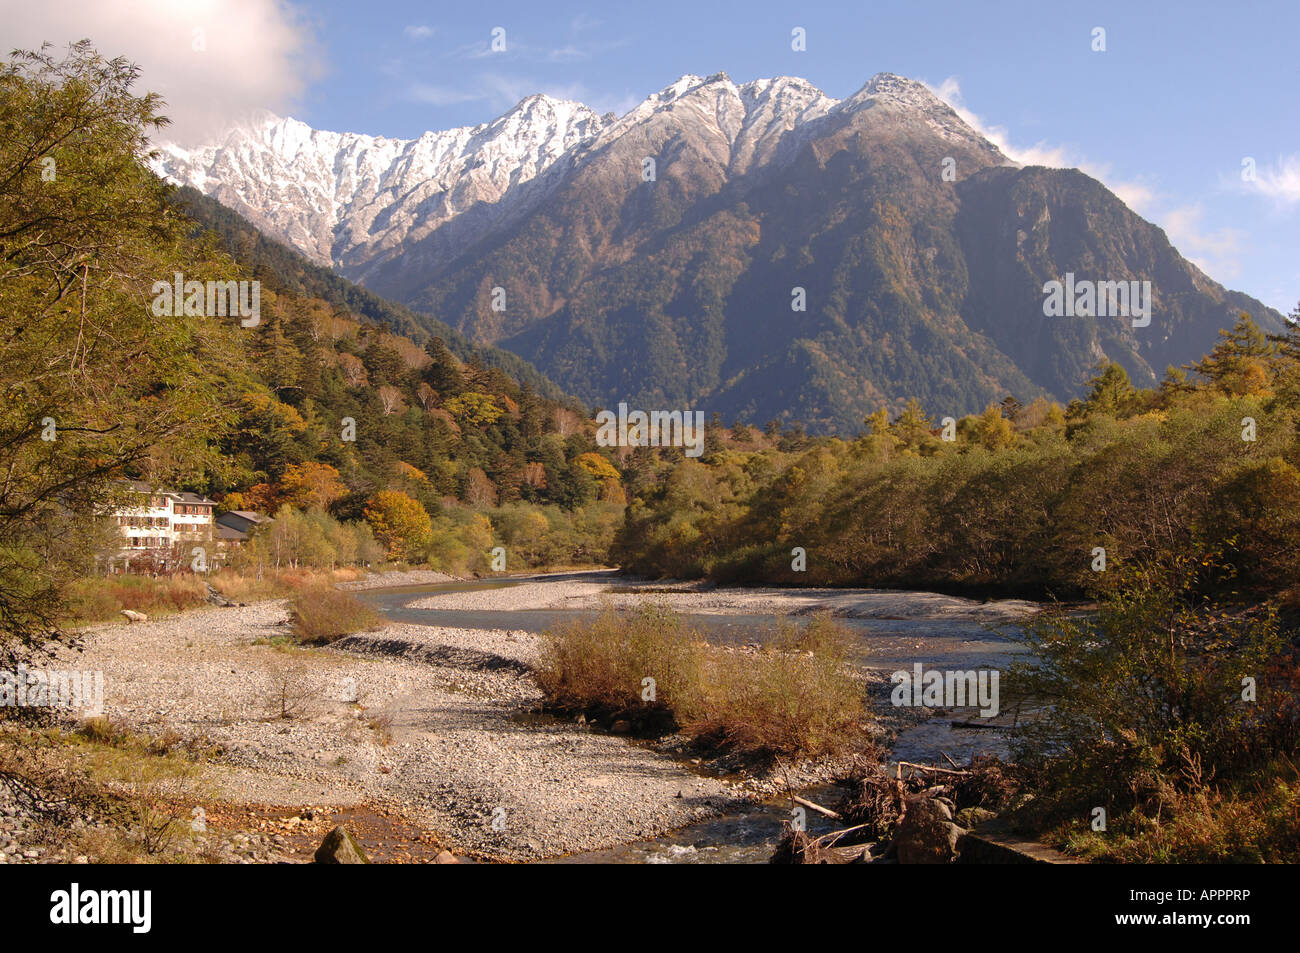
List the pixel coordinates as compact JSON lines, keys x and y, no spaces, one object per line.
{"x":1182,"y":95}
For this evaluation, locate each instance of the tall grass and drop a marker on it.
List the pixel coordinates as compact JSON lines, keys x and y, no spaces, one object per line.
{"x":251,"y":587}
{"x":600,"y":666}
{"x":798,"y":696}
{"x":101,"y":599}
{"x":795,"y":697}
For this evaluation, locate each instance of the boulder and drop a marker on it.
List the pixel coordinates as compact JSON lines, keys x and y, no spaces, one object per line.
{"x":340,"y":847}
{"x":968,"y":817}
{"x":133,"y":616}
{"x":926,"y":833}
{"x":446,"y":857}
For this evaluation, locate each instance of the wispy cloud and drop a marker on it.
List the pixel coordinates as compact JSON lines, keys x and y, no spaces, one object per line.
{"x":567,"y":53}
{"x":1216,"y":251}
{"x":440,"y":95}
{"x":1279,"y":182}
{"x":1136,"y":195}
{"x":419,"y":32}
{"x":503,"y":91}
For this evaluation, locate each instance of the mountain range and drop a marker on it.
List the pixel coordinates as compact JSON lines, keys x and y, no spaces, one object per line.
{"x":661,"y":258}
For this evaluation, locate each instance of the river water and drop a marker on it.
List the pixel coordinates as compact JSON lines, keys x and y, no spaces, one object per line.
{"x":748,"y":834}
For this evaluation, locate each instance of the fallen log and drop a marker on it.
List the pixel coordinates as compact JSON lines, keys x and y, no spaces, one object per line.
{"x":958,"y":772}
{"x":825,"y":811}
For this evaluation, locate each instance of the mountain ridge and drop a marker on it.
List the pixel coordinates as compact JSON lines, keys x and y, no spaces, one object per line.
{"x":921,"y":247}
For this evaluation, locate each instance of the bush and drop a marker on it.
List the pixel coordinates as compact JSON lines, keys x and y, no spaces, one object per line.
{"x":795,"y":697}
{"x":599,"y":666}
{"x":798,"y":696}
{"x":1140,"y":708}
{"x":321,"y":615}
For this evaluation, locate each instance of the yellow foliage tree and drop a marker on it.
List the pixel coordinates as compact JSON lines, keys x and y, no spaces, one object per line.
{"x":399,"y":522}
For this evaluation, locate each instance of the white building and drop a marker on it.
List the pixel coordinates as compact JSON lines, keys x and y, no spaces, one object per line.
{"x":163,"y":526}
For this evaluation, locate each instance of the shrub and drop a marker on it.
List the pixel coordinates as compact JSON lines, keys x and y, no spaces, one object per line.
{"x":795,"y":697}
{"x":798,"y":696}
{"x":599,"y":666}
{"x":101,"y":598}
{"x":321,"y":615}
{"x":1140,"y":708}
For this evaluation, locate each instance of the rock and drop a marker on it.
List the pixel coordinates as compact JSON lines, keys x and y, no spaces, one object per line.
{"x":446,"y":857}
{"x":968,"y":817}
{"x":133,"y":616}
{"x":340,"y":847}
{"x":926,"y":833}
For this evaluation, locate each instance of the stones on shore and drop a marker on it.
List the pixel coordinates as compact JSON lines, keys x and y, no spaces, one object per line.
{"x":340,"y":847}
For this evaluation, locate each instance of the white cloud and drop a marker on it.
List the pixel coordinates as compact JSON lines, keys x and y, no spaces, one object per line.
{"x":502,"y":92}
{"x":420,"y":32}
{"x":1135,"y":195}
{"x":1279,"y":182}
{"x":441,"y":95}
{"x":565,"y":53}
{"x":1214,"y":251}
{"x":214,"y":61}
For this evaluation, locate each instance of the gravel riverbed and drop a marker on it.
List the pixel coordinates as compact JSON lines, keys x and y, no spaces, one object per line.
{"x":595,"y":590}
{"x":430,"y":722}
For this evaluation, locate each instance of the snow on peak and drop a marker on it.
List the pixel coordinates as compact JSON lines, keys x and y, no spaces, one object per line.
{"x":346,"y":199}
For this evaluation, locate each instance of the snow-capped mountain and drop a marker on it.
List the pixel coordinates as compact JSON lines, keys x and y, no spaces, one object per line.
{"x":920,"y":251}
{"x":353,"y":201}
{"x":341,"y":198}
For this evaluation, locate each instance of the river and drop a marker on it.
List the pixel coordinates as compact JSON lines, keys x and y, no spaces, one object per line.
{"x":748,"y":834}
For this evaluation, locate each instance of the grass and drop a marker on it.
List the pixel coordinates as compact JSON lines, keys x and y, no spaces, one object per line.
{"x":143,"y":788}
{"x":795,"y":697}
{"x":102,"y":598}
{"x":320,"y":615}
{"x":1239,"y":824}
{"x":247,"y":587}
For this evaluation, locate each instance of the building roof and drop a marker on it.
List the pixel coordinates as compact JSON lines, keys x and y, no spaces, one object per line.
{"x":230,"y":533}
{"x":183,"y":496}
{"x":251,"y":515}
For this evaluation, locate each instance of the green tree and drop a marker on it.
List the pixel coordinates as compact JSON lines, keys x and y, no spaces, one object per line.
{"x":93,"y":385}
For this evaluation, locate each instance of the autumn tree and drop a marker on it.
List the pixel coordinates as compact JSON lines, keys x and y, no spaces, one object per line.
{"x":309,"y":485}
{"x":399,"y":522}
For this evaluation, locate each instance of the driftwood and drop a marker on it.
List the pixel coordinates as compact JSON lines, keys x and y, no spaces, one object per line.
{"x":797,"y":847}
{"x":825,"y":811}
{"x":959,"y":772}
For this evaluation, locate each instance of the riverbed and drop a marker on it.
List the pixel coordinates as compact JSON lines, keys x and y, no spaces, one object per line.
{"x":894,"y":630}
